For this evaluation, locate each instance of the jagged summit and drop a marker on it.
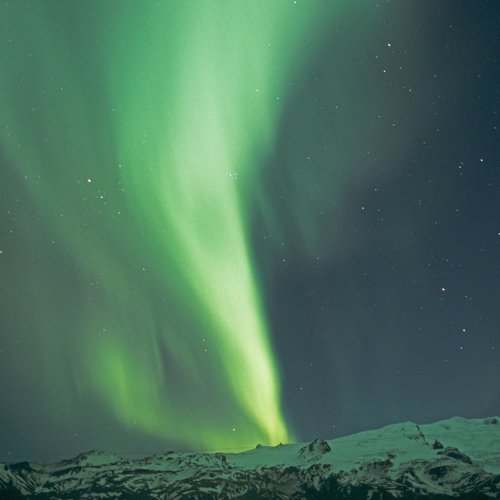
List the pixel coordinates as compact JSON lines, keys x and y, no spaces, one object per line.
{"x":314,"y":450}
{"x":448,"y":459}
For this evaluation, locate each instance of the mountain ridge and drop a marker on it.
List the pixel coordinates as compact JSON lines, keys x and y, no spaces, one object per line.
{"x":451,"y":458}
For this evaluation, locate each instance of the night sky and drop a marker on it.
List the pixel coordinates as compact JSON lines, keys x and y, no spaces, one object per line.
{"x":229,"y":222}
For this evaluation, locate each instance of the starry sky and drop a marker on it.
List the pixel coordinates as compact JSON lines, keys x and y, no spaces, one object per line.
{"x":225,"y":223}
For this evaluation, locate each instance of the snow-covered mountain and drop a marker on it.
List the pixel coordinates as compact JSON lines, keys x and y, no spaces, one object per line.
{"x":455,"y":458}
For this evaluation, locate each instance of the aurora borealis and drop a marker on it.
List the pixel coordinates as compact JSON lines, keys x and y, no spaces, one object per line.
{"x":225,"y":222}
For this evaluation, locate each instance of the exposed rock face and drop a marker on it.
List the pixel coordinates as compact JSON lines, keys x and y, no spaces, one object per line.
{"x":314,"y":450}
{"x":437,"y":445}
{"x":394,"y":462}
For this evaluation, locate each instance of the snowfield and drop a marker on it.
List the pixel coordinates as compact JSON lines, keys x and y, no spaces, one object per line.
{"x":454,"y":458}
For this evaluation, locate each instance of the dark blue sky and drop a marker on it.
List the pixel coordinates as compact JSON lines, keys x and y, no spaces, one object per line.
{"x":398,"y":317}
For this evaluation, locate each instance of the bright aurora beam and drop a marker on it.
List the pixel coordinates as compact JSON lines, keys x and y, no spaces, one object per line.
{"x":139,"y":129}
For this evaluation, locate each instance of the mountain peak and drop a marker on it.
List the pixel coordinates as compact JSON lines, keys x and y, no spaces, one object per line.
{"x":399,"y":460}
{"x":314,"y":449}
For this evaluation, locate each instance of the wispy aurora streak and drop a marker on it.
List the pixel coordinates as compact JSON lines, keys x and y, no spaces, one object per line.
{"x":139,"y":132}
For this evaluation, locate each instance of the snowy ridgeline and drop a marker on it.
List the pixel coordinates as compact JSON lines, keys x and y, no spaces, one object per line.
{"x":455,"y":458}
